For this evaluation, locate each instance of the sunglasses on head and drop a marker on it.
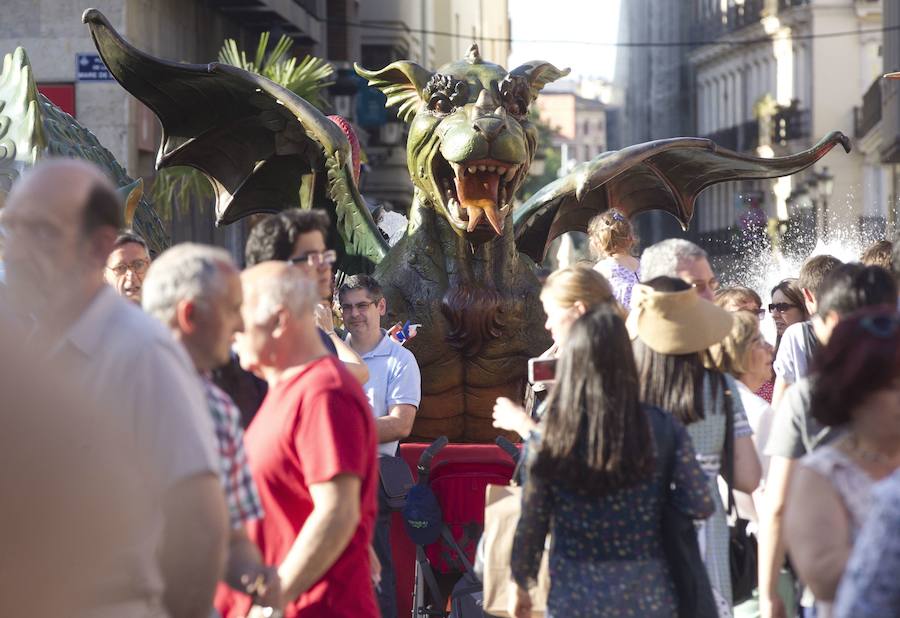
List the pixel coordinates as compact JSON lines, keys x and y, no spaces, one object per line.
{"x":781,"y":307}
{"x":881,"y":326}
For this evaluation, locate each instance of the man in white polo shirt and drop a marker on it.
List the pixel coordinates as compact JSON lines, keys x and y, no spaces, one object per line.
{"x":394,"y":390}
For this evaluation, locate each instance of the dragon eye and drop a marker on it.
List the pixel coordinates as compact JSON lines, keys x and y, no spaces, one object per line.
{"x":516,"y":95}
{"x":441,"y":104}
{"x":445,"y":93}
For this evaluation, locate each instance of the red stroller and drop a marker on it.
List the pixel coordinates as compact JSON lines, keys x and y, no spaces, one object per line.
{"x":440,"y":566}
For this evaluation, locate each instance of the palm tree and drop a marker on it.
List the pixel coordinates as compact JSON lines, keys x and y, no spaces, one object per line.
{"x":180,"y":187}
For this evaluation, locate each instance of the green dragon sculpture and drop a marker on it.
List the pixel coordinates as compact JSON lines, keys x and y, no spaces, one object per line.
{"x":32,"y":128}
{"x":464,"y":269}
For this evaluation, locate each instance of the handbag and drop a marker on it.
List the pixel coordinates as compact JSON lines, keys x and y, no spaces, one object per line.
{"x":693,"y":591}
{"x":396,"y":481}
{"x":503,"y":505}
{"x":742,"y":549}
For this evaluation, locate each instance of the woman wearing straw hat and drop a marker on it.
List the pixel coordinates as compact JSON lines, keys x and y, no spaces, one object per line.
{"x":673,"y":328}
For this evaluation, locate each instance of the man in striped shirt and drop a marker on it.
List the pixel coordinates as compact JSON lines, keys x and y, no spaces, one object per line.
{"x":195,"y":290}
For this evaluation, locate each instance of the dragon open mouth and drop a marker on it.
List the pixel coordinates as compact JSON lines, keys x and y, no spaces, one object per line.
{"x":477,"y":193}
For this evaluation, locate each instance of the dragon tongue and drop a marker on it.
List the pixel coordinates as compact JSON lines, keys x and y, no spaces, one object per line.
{"x":478,"y":194}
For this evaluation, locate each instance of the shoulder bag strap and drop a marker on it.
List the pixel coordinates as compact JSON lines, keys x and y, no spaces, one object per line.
{"x":728,"y":447}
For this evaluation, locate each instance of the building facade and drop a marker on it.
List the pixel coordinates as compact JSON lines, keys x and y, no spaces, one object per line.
{"x":578,"y":124}
{"x":768,"y":78}
{"x":887,"y":124}
{"x":773,"y":79}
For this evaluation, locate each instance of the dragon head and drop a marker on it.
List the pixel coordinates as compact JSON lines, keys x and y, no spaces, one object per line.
{"x":470,"y":142}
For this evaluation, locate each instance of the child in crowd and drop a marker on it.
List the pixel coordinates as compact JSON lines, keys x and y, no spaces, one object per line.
{"x":612,"y":239}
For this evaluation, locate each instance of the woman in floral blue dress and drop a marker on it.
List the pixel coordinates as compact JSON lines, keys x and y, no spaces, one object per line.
{"x":594,"y":486}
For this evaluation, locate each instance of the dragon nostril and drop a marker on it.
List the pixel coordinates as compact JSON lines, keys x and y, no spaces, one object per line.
{"x":489,"y":127}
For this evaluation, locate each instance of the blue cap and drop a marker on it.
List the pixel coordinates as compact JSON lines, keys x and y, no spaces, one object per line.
{"x":422,"y":516}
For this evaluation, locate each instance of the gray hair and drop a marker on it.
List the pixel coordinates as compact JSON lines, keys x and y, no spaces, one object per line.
{"x":665,"y":258}
{"x":187,"y":271}
{"x":289,"y":288}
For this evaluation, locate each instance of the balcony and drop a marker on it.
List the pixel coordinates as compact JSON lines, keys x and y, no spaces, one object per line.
{"x":869,"y":114}
{"x":784,"y":5}
{"x":734,"y":18}
{"x":789,"y":123}
{"x":743,"y":137}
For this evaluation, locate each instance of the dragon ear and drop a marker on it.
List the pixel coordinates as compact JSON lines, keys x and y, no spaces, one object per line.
{"x":539,"y":74}
{"x":401,"y":82}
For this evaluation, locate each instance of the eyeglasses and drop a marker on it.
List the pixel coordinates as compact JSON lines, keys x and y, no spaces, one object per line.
{"x":138,"y":267}
{"x":881,"y":326}
{"x":315,"y":258}
{"x":711,"y":285}
{"x":781,"y":307}
{"x":360,"y":307}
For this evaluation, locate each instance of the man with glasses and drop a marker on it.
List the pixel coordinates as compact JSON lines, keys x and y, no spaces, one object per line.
{"x":298,"y":236}
{"x":844,"y":290}
{"x":683,"y":260}
{"x":394,"y":390}
{"x":126,"y":266}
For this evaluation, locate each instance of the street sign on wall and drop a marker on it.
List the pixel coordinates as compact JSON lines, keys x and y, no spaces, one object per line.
{"x":90,"y":68}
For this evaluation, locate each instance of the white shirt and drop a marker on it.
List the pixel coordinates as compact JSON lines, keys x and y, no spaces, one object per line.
{"x":394,"y":379}
{"x":128,"y":360}
{"x":792,"y":361}
{"x":759,"y":416}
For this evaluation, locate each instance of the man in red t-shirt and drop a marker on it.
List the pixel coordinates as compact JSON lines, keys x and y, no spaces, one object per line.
{"x":311,"y":449}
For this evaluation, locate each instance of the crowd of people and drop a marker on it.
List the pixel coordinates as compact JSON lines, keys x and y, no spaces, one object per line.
{"x":186,"y":436}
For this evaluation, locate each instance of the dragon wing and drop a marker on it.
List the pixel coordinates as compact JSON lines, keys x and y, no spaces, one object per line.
{"x":665,"y":175}
{"x":32,"y":128}
{"x":263,"y":148}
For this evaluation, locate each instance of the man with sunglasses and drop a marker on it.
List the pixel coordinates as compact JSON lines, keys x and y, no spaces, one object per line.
{"x":844,"y":290}
{"x":127,"y":265}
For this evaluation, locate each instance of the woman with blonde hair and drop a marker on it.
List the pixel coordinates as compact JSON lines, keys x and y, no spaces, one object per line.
{"x":747,"y":356}
{"x":612,"y":240}
{"x":567,"y":295}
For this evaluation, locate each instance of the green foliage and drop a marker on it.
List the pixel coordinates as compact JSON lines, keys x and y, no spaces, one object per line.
{"x":306,"y":78}
{"x":545,"y":150}
{"x":181,"y":188}
{"x":178,"y":189}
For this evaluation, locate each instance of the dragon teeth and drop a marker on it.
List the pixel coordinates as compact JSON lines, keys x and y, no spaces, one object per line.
{"x":481,"y":168}
{"x":510,"y":174}
{"x":491,"y":168}
{"x":472,"y":169}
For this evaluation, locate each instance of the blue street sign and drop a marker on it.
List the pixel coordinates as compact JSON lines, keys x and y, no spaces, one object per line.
{"x":90,"y":68}
{"x":370,"y":109}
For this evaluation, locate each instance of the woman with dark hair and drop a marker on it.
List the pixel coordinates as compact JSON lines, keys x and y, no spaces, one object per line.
{"x":673,"y":330}
{"x":856,"y":385}
{"x":787,"y":307}
{"x":594,"y":485}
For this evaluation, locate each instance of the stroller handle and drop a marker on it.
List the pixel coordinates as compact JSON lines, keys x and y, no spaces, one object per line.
{"x":509,"y":448}
{"x":424,"y":465}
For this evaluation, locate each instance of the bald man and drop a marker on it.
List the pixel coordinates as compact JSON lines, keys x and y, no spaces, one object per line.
{"x":311,"y":449}
{"x":62,"y":218}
